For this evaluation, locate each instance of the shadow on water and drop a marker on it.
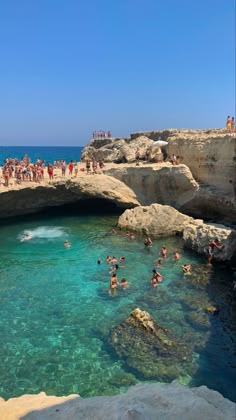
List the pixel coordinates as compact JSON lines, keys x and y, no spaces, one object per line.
{"x":214,"y":366}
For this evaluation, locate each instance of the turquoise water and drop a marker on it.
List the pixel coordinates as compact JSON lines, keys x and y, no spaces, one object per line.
{"x":56,"y":310}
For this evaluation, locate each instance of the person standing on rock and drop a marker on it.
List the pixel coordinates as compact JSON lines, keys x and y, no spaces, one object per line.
{"x":232,"y":125}
{"x":228,"y":124}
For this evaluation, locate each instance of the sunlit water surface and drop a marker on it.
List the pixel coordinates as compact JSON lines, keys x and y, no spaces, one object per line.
{"x":56,"y":310}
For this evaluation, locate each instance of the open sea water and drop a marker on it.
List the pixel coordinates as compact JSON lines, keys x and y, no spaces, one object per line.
{"x":56,"y":310}
{"x":49,"y":154}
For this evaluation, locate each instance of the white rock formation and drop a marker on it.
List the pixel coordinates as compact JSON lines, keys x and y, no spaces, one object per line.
{"x":160,"y":183}
{"x":31,"y":197}
{"x":141,"y":402}
{"x":159,"y":221}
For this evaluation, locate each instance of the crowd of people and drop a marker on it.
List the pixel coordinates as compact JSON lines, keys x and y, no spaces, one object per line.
{"x":23,"y":170}
{"x":115,"y":264}
{"x":101,"y":134}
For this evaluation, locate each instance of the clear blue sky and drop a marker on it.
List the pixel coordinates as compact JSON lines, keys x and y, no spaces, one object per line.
{"x":69,"y":67}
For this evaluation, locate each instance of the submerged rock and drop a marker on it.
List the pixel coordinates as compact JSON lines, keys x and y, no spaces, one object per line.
{"x":149,"y":348}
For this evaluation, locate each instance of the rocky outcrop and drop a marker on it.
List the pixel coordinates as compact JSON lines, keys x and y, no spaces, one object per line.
{"x":31,"y":198}
{"x":149,"y":348}
{"x":155,"y":220}
{"x":159,"y":221}
{"x":141,"y":402}
{"x":162,"y":183}
{"x":210,"y":154}
{"x":120,"y":150}
{"x":198,"y":235}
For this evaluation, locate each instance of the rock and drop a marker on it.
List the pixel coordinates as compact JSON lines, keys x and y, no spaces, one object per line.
{"x":159,"y":221}
{"x":149,"y":348}
{"x":210,"y":154}
{"x":212,"y":309}
{"x":155,"y":220}
{"x":162,"y":183}
{"x":199,"y":320}
{"x":118,"y":150}
{"x":141,"y":402}
{"x":197,"y":236}
{"x":35,"y":197}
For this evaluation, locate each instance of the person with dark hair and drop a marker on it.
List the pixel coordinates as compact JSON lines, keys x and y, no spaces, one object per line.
{"x":212,"y":245}
{"x":228,"y":124}
{"x":232,"y":128}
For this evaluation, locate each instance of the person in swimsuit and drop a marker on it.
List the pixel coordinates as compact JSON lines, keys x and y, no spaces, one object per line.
{"x":228,"y":124}
{"x":113,"y":283}
{"x":148,"y":241}
{"x":67,"y":244}
{"x":176,"y":256}
{"x":232,"y":125}
{"x":124,"y":283}
{"x":159,"y":262}
{"x":186,"y":268}
{"x":163,"y":252}
{"x":156,"y":277}
{"x":210,"y":249}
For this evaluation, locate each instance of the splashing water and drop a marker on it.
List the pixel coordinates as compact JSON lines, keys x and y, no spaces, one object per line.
{"x":42,"y":232}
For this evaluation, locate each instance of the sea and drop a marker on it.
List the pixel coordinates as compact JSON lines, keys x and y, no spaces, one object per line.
{"x":57,"y":311}
{"x":48,"y":154}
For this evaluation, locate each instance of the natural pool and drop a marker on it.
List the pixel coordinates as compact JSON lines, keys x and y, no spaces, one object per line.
{"x":56,"y":311}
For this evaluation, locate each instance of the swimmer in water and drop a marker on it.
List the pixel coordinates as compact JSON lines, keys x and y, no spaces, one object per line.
{"x":67,"y":244}
{"x":148,"y":241}
{"x":176,"y":256}
{"x":113,"y":283}
{"x":163,"y":252}
{"x":26,"y":237}
{"x":122,"y":259}
{"x":186,"y":268}
{"x":159,"y":262}
{"x":124,"y":283}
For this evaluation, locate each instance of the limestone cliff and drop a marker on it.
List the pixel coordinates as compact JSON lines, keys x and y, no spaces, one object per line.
{"x":210,"y":154}
{"x":31,"y":198}
{"x":159,"y":221}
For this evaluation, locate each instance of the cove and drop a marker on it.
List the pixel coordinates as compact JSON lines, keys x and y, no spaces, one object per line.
{"x":56,"y":310}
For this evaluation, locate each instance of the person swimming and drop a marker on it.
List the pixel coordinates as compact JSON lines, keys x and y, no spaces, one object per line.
{"x":148,"y":241}
{"x":26,"y":237}
{"x":186,"y":268}
{"x":67,"y":244}
{"x":176,"y":256}
{"x":124,"y":283}
{"x":159,"y":262}
{"x":163,"y":252}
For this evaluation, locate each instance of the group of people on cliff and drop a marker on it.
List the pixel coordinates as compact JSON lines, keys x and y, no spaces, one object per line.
{"x":230,"y":124}
{"x":101,"y":134}
{"x":23,"y":170}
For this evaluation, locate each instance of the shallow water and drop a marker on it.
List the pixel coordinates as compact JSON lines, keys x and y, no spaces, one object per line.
{"x":56,"y":310}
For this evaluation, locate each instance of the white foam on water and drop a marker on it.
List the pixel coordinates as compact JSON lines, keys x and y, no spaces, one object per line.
{"x":42,"y":232}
